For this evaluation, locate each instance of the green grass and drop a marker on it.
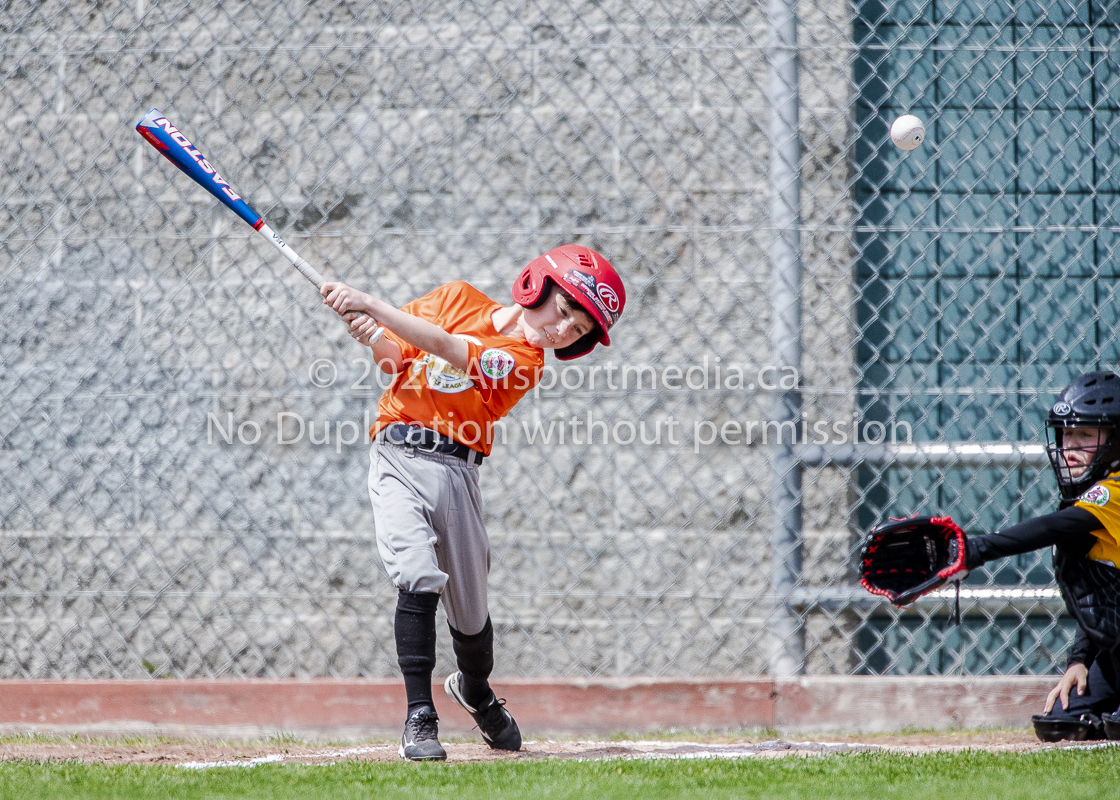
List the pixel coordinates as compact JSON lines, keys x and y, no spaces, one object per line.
{"x":1068,"y":775}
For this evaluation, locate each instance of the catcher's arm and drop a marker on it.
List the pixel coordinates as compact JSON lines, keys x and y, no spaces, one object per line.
{"x":1075,"y":675}
{"x":906,"y":559}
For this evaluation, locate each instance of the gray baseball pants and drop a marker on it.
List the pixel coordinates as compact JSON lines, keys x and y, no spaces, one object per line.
{"x":427,"y":509}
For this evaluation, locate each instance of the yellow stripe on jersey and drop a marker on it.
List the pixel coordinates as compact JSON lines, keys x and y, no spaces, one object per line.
{"x":1103,"y":502}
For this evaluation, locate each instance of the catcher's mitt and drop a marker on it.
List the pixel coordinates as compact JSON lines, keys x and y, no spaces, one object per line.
{"x":905,"y":559}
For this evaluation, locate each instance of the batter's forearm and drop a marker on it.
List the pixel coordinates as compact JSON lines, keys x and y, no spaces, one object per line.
{"x":422,"y":334}
{"x":387,"y":356}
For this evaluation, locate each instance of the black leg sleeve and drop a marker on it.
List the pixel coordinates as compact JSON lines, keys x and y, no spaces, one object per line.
{"x":474,"y":655}
{"x":415,"y":630}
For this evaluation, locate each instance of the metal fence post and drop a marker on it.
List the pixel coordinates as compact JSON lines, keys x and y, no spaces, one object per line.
{"x":787,"y":636}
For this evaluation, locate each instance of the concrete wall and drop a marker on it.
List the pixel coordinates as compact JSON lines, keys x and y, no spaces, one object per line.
{"x":397,"y":149}
{"x":580,"y":707}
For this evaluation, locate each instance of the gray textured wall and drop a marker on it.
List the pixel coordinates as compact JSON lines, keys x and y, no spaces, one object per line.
{"x":398,"y":149}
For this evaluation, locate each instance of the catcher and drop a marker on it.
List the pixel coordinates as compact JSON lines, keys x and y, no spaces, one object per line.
{"x":908,"y":558}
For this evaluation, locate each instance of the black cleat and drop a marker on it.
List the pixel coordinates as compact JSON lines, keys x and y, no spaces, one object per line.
{"x":494,"y":722}
{"x":1111,"y":725}
{"x":420,"y":741}
{"x":1087,"y":727}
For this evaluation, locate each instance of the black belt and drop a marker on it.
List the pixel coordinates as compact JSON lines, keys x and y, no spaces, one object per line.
{"x":428,"y":441}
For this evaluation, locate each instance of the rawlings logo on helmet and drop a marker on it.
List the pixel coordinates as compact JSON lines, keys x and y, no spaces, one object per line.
{"x":608,"y":296}
{"x":594,"y":291}
{"x":1062,"y":409}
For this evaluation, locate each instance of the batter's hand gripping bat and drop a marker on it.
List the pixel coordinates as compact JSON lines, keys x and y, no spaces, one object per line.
{"x":171,"y":142}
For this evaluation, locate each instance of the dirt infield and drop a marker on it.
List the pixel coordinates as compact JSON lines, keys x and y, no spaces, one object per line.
{"x":202,"y":754}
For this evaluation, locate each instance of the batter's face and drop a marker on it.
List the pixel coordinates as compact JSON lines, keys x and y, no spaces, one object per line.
{"x":555,"y":323}
{"x":1079,"y":445}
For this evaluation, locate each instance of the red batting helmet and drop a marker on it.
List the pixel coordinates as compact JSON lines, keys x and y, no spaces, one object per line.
{"x":587,"y":278}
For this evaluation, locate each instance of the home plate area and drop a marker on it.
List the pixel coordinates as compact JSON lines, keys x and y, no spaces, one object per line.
{"x":674,"y":749}
{"x":214,"y":754}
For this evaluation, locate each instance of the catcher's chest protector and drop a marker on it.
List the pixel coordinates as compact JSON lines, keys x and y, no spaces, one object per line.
{"x":1091,"y":591}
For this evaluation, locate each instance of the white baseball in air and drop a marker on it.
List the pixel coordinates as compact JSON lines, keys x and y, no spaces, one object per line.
{"x":908,"y":132}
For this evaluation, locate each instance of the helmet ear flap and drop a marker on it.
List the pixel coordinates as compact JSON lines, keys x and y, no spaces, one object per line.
{"x":525,"y":281}
{"x":542,"y":294}
{"x":530,"y":290}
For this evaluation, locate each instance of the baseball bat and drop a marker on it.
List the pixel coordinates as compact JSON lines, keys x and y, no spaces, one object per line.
{"x":179,"y":150}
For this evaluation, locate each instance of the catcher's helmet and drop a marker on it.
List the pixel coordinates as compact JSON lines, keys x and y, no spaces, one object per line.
{"x":1091,"y":401}
{"x":587,"y":278}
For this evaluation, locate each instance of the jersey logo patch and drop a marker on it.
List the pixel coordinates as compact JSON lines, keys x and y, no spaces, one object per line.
{"x":496,"y":364}
{"x":1097,"y":496}
{"x":442,"y":377}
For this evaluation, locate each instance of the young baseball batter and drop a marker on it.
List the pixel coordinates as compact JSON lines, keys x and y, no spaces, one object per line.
{"x":461,"y":361}
{"x":1083,"y":442}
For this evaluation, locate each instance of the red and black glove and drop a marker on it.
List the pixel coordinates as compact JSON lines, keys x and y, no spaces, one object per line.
{"x":908,"y":558}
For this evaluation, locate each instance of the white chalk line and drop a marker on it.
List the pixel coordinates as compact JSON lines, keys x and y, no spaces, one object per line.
{"x":698,"y":750}
{"x":638,"y":750}
{"x":1093,"y":746}
{"x":280,"y":758}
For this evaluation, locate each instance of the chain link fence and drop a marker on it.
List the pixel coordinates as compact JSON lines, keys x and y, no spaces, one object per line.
{"x":822,"y":330}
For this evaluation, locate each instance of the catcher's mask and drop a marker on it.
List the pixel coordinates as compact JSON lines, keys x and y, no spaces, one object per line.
{"x":587,"y":278}
{"x":1090,"y":402}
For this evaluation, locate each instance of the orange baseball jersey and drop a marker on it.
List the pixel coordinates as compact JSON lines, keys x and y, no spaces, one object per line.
{"x":461,"y":405}
{"x":1103,"y":502}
